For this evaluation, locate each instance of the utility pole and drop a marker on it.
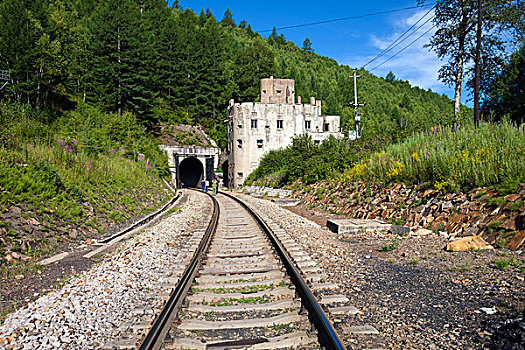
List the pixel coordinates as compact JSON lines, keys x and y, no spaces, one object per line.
{"x":478,"y":68}
{"x":357,"y":118}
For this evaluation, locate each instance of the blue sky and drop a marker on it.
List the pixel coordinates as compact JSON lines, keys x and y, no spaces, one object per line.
{"x":352,"y":42}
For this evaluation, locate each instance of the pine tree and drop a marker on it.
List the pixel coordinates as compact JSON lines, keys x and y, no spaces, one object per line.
{"x":307,"y":45}
{"x":227,"y":19}
{"x":505,"y":95}
{"x":251,"y":65}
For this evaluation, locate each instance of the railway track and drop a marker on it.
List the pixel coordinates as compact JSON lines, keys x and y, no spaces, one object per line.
{"x":241,"y":290}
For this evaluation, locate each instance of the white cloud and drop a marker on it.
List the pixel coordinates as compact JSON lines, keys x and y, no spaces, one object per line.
{"x":416,"y":63}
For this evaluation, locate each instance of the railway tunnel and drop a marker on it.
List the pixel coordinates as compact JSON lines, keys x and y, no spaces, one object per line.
{"x":191,"y":172}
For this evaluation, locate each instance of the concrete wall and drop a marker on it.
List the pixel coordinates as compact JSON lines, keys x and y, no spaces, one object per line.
{"x":277,"y":90}
{"x":256,"y":128}
{"x":182,"y":152}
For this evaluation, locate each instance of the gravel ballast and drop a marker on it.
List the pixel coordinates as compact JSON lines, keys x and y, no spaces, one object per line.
{"x":417,"y":295}
{"x":115,"y":300}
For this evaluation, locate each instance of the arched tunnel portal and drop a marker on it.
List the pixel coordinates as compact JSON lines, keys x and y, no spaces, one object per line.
{"x":190,"y":172}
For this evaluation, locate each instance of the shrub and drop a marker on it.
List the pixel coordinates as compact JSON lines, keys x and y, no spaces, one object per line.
{"x":452,"y":158}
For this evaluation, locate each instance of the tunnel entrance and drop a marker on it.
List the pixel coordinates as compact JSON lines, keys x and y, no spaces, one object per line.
{"x":190,"y":172}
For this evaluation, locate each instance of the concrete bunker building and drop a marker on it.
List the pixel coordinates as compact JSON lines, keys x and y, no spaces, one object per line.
{"x":254,"y":128}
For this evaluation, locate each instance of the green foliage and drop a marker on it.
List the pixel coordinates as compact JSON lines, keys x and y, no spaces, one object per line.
{"x":465,"y":157}
{"x":307,"y":45}
{"x":310,"y":162}
{"x":391,"y":246}
{"x":515,"y":206}
{"x":494,"y":225}
{"x":505,"y":97}
{"x":78,"y":159}
{"x":503,"y":264}
{"x":413,"y":261}
{"x":169,"y":64}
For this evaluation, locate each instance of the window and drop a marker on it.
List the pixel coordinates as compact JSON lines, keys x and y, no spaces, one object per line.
{"x":307,"y":124}
{"x":239,"y":143}
{"x":279,"y":124}
{"x":239,"y":174}
{"x":239,"y":126}
{"x":316,"y":142}
{"x":259,"y":143}
{"x":264,"y":91}
{"x":254,"y":123}
{"x":279,"y":91}
{"x":326,"y":127}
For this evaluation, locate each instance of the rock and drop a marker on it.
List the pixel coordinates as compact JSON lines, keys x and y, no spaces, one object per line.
{"x":446,"y":205}
{"x":73,"y":234}
{"x":422,"y":232}
{"x":509,"y":224}
{"x":9,"y":258}
{"x":489,"y":310}
{"x":512,"y":197}
{"x":468,"y":243}
{"x":399,"y":230}
{"x":15,"y":212}
{"x":516,"y":241}
{"x":24,"y":257}
{"x":33,"y":221}
{"x":471,"y":231}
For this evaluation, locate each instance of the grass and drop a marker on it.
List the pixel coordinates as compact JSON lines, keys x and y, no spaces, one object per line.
{"x":76,"y":179}
{"x":413,"y":261}
{"x":391,"y":246}
{"x":503,"y":264}
{"x":450,"y":159}
{"x":280,"y":326}
{"x":466,"y":266}
{"x":237,"y":301}
{"x":245,"y":289}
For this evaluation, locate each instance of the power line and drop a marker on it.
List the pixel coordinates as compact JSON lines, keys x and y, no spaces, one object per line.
{"x":403,"y":49}
{"x":343,"y":18}
{"x":393,"y":44}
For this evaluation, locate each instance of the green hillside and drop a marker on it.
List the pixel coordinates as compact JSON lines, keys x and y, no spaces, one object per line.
{"x":172,"y":65}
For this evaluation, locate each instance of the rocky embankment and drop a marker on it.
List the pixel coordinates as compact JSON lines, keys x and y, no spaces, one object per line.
{"x":498,"y":217}
{"x":28,"y":234}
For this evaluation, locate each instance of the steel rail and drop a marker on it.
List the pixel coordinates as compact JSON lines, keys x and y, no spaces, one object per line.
{"x":143,"y":220}
{"x":326,"y":333}
{"x":157,"y":332}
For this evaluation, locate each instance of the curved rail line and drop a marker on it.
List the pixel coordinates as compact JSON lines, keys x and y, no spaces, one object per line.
{"x":326,"y":334}
{"x":157,"y":333}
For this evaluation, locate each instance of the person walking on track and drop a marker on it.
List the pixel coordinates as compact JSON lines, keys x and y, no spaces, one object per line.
{"x":214,"y":186}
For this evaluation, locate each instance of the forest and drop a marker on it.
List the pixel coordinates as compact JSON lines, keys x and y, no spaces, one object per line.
{"x":169,"y":64}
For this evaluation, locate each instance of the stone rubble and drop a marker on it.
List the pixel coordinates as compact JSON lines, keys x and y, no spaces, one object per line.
{"x":113,"y":302}
{"x":498,"y":218}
